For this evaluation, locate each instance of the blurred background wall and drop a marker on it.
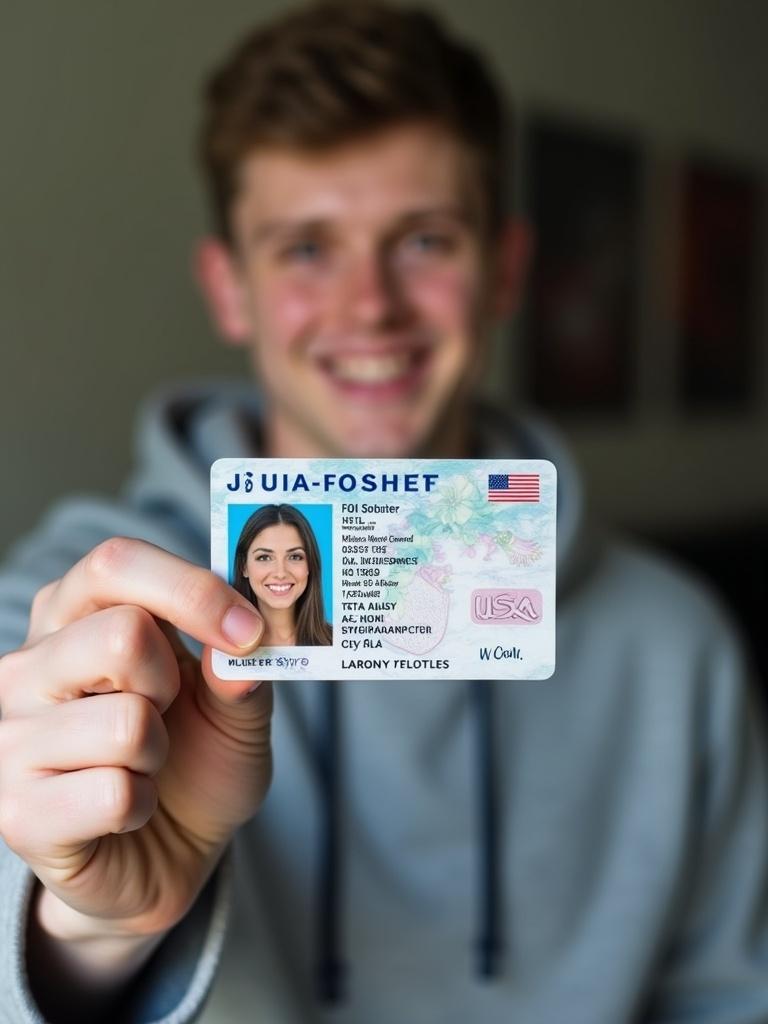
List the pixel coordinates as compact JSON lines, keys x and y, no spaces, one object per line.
{"x":101,"y":205}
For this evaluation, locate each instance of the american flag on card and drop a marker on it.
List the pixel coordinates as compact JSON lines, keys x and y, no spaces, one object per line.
{"x":513,"y":487}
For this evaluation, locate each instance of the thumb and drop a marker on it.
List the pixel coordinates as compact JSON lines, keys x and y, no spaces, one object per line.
{"x":222,"y":761}
{"x":242,"y":701}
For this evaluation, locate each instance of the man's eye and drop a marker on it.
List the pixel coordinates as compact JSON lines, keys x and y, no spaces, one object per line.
{"x":305,"y":251}
{"x":431,"y":242}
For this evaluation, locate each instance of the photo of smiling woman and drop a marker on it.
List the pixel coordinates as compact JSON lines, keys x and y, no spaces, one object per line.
{"x":277,"y":567}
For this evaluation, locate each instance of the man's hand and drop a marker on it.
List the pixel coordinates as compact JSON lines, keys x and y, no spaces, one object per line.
{"x":126,"y":764}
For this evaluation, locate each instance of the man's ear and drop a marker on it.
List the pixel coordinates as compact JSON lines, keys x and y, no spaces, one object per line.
{"x":514,"y":252}
{"x":220,"y":281}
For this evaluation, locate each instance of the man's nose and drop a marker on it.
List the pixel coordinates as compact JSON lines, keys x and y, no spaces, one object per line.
{"x":373,"y":296}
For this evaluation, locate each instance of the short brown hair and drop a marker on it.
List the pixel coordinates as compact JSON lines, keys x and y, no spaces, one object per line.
{"x":334,"y":71}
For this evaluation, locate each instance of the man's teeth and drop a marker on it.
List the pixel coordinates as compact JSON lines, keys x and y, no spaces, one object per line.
{"x":371,"y":369}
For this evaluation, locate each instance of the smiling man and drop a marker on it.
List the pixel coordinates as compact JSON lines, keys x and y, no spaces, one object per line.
{"x":590,"y":849}
{"x":359,"y":278}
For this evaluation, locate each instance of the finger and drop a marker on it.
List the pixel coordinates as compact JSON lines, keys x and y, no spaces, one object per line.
{"x":128,"y":571}
{"x":120,"y":730}
{"x":51,"y":815}
{"x":42,"y":599}
{"x":253,"y":696}
{"x":116,"y":649}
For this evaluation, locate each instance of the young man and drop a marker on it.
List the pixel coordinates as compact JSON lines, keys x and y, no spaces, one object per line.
{"x":355,"y":159}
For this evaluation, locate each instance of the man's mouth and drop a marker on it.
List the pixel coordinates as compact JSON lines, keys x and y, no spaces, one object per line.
{"x":376,"y":372}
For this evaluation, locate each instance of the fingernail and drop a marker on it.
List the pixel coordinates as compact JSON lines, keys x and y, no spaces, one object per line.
{"x":241,"y":626}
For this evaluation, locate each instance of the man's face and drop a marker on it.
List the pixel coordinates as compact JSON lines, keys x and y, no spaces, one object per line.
{"x":361,"y":280}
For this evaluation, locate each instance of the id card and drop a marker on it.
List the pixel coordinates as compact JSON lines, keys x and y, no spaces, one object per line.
{"x":389,"y":568}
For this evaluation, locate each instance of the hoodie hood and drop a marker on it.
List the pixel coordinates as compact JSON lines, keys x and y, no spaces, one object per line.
{"x":184,"y":429}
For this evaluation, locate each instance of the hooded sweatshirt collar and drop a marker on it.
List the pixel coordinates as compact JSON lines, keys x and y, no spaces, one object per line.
{"x":183,"y":430}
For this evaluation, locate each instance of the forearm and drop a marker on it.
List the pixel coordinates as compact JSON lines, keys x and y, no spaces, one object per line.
{"x":75,"y":973}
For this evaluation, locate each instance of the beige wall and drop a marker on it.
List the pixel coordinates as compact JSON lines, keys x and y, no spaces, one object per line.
{"x":100,"y":206}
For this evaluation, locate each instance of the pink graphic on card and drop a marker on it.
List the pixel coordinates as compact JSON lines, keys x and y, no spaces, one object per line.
{"x":506,"y":606}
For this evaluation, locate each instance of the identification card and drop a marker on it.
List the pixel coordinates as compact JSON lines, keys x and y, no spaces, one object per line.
{"x":389,"y":568}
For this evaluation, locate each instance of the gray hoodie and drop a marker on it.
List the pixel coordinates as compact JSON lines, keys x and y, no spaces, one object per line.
{"x":630,"y":789}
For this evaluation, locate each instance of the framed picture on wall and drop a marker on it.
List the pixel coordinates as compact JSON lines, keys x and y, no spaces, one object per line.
{"x":719,"y":265}
{"x":582,"y":188}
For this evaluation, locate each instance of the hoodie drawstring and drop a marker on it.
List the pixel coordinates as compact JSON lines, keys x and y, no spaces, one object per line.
{"x":489,"y":941}
{"x":331,"y":969}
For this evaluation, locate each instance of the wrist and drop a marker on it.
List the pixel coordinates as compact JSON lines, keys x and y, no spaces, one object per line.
{"x":95,"y":950}
{"x":62,"y":922}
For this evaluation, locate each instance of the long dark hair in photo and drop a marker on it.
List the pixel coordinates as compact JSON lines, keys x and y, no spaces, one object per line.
{"x":312,"y":630}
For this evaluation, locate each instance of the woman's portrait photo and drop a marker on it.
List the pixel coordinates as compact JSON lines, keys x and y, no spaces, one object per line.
{"x":277,"y":566}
